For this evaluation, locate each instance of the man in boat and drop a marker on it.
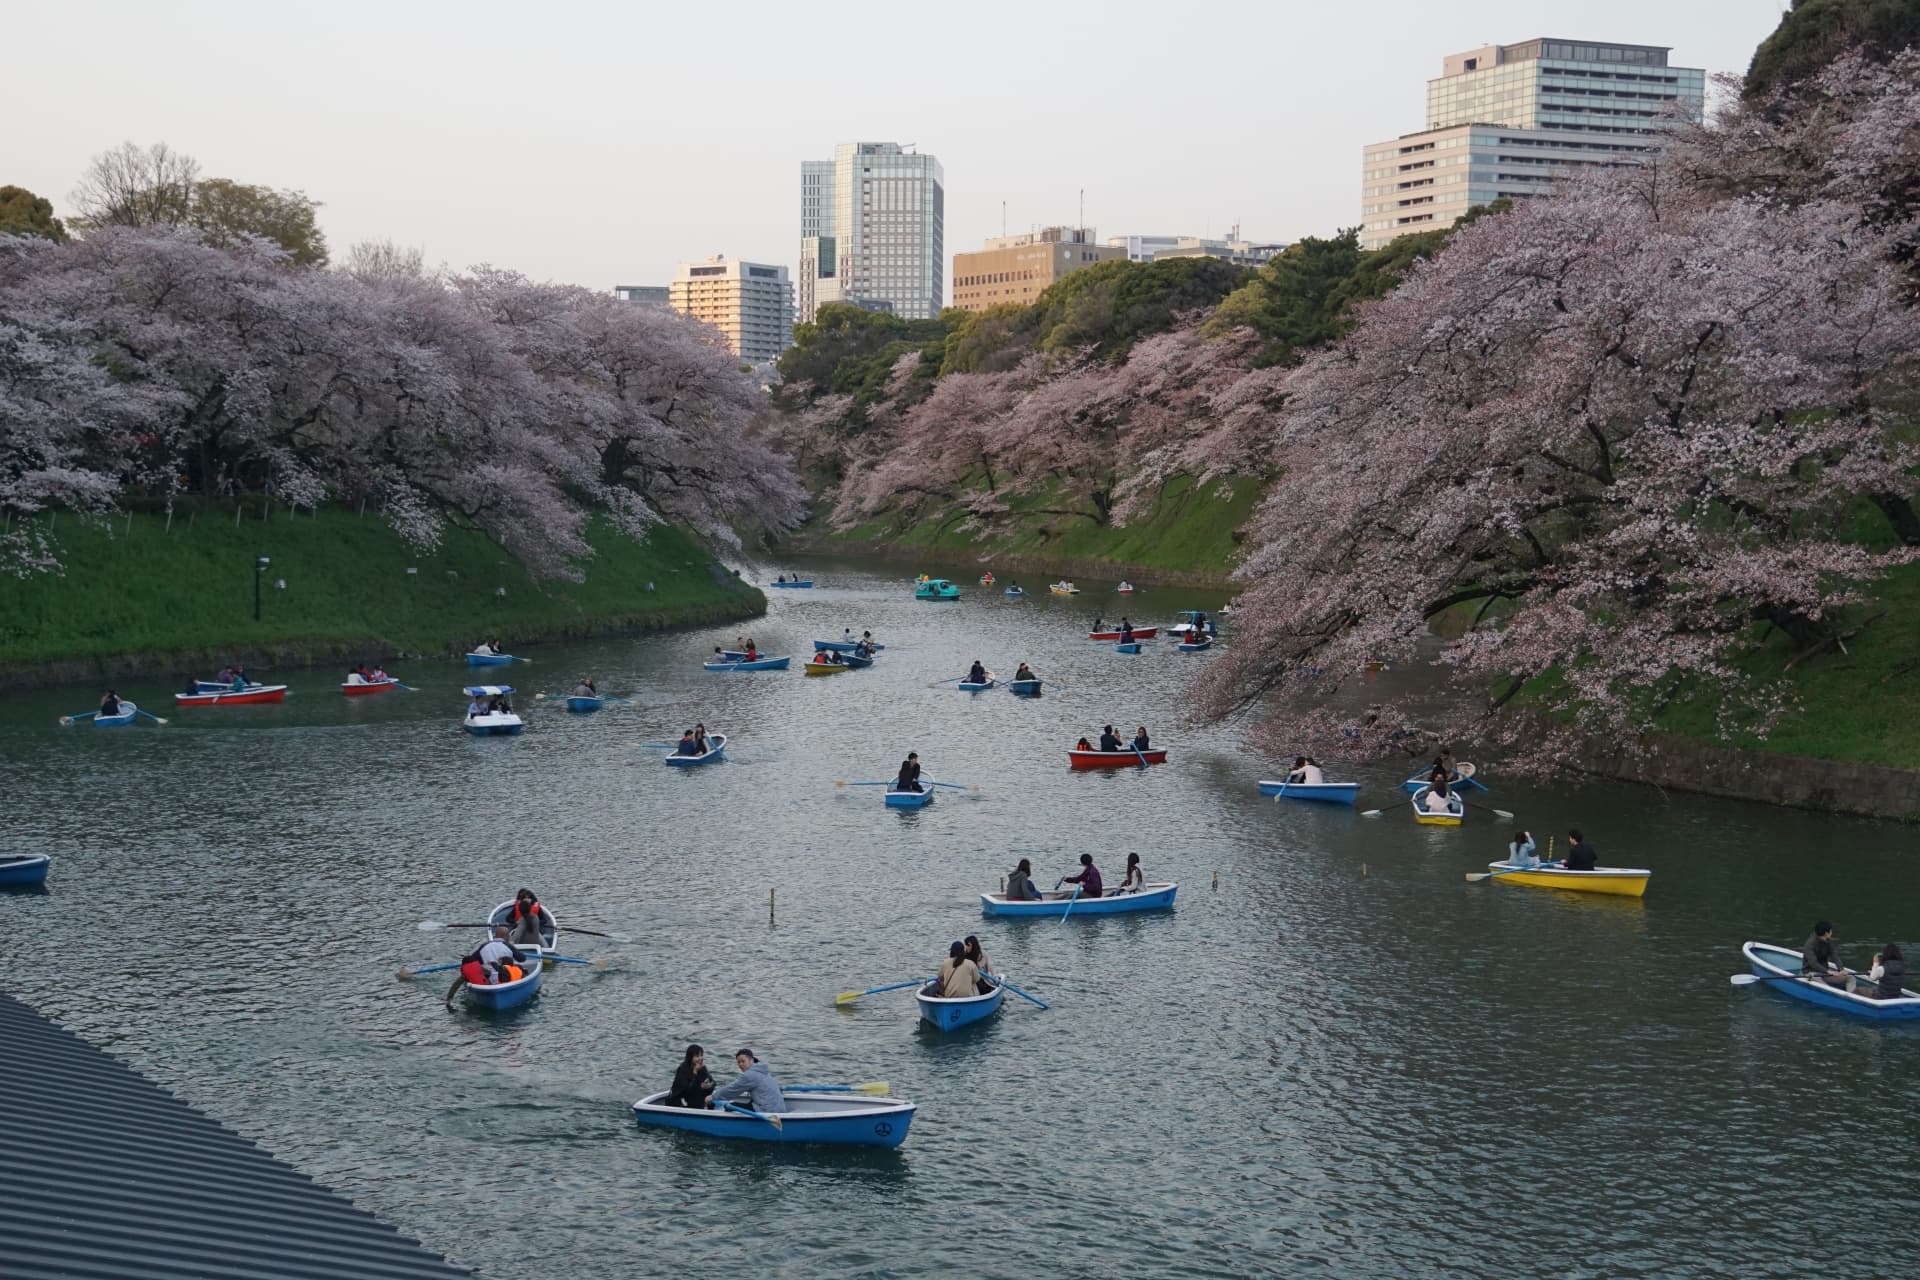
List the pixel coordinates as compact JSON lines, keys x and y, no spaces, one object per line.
{"x":1098,"y":626}
{"x":1126,"y":632}
{"x":1439,"y":798}
{"x":358,"y":674}
{"x":478,"y":707}
{"x":523,"y":921}
{"x":1140,"y":742}
{"x":584,"y":689}
{"x":976,"y":674}
{"x":1024,"y":672}
{"x":687,"y":747}
{"x":909,"y":777}
{"x":110,"y":704}
{"x":864,"y":647}
{"x":1088,"y":879}
{"x":959,"y":977}
{"x":498,"y":705}
{"x":494,"y":962}
{"x":1581,"y":856}
{"x":846,"y":635}
{"x":485,"y":649}
{"x":1020,"y":885}
{"x":827,"y":658}
{"x":1109,"y":740}
{"x":1818,"y":959}
{"x":754,"y":1083}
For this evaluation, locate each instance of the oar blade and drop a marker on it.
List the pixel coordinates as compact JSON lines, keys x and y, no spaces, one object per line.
{"x":848,"y":997}
{"x":1743,"y":979}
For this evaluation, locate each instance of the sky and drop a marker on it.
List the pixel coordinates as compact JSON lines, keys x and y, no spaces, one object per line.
{"x":600,"y":143}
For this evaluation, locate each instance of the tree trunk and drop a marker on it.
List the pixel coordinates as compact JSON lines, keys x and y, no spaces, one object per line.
{"x":1899,"y":512}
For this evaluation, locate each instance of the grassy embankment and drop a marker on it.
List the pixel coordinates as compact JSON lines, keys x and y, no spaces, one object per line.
{"x":1187,"y":537}
{"x":139,"y":596}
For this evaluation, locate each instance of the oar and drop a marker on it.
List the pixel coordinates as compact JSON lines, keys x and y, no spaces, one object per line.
{"x":1143,"y":756}
{"x":66,"y":721}
{"x":1474,"y":877}
{"x":1017,"y":991}
{"x":417,"y":970}
{"x":1070,"y":901}
{"x":1374,"y":813}
{"x":1486,"y":808}
{"x":757,"y":1115}
{"x":1282,"y":791}
{"x":1051,"y":685}
{"x":1748,"y":979}
{"x":425,"y":925}
{"x":937,"y":683}
{"x":873,"y":1088}
{"x":848,"y":997}
{"x":955,"y":786}
{"x":887,"y":783}
{"x":591,"y":964}
{"x":149,"y":715}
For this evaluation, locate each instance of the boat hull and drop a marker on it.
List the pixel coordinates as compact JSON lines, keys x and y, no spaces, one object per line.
{"x":584,"y":704}
{"x":1127,"y":648}
{"x":262,"y":693}
{"x":1624,"y":882}
{"x":1139,"y":633}
{"x":1013,"y":592}
{"x":716,"y":749}
{"x":504,"y":725}
{"x":1113,"y":759}
{"x":841,"y":646}
{"x":951,"y":1015}
{"x":826,"y":668}
{"x":369,"y":688}
{"x":1186,"y":647}
{"x":1783,"y":964}
{"x":969,"y":686}
{"x":1155,"y":897}
{"x":1325,"y":792}
{"x":832,"y":1120}
{"x":24,"y":870}
{"x":1025,"y":688}
{"x":489,"y":659}
{"x":910,"y":799}
{"x":793,"y":586}
{"x":758,"y":664}
{"x":500,"y":996}
{"x":925,"y":593}
{"x":126,"y":717}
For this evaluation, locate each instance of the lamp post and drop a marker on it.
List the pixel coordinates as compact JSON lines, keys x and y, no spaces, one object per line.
{"x":259,"y":567}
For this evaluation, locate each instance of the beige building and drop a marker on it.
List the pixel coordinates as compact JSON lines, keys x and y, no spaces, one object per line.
{"x":750,"y":303}
{"x":1016,"y":269}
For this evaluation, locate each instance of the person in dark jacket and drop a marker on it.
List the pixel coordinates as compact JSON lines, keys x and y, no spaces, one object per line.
{"x":1889,"y":972}
{"x":1110,"y":741}
{"x":1020,"y":886}
{"x":1581,"y":856}
{"x":909,"y":776}
{"x":110,"y":704}
{"x":1088,"y":879}
{"x":692,"y":1082}
{"x":976,"y":674}
{"x":1818,"y":958}
{"x":1140,"y":740}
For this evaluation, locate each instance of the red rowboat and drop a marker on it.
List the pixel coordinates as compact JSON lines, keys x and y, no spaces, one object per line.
{"x":1139,"y":633}
{"x":252,"y":693}
{"x":1113,"y":759}
{"x":370,"y":686}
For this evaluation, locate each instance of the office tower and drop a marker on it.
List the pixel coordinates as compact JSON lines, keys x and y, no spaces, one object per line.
{"x":1016,"y":269}
{"x":750,"y":303}
{"x":872,"y":230}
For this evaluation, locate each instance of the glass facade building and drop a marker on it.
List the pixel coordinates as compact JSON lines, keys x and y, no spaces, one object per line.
{"x":873,"y":230}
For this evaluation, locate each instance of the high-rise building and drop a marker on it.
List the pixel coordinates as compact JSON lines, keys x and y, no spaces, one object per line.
{"x":1507,"y":120}
{"x":750,"y":303}
{"x":872,"y":230}
{"x":1015,"y":269}
{"x":643,"y":295}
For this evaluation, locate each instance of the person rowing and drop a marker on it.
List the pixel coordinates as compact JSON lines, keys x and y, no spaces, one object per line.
{"x":1088,"y":879}
{"x":493,"y":962}
{"x":959,"y":977}
{"x":1020,"y":885}
{"x":976,"y":674}
{"x":1126,"y":632}
{"x":523,"y":920}
{"x":1024,"y":672}
{"x":1306,"y":772}
{"x":909,"y":776}
{"x":1818,"y":959}
{"x":1439,"y":799}
{"x":1140,"y":740}
{"x":1110,"y":741}
{"x":585,"y":689}
{"x":687,"y":747}
{"x":828,"y":658}
{"x":754,"y":1083}
{"x":864,"y":647}
{"x":110,"y":704}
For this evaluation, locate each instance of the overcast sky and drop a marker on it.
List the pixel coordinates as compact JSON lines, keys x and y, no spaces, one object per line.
{"x":601,"y":142}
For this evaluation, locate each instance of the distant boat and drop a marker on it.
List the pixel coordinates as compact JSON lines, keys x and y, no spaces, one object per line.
{"x":1064,"y":588}
{"x":491,"y":724}
{"x":1015,"y":592}
{"x":986,"y":579}
{"x":584,"y":702}
{"x":1330,"y":792}
{"x":1625,"y":882}
{"x":842,"y":646}
{"x":793,"y":582}
{"x":24,"y":869}
{"x":1114,"y":759}
{"x":252,"y":693}
{"x":936,"y":589}
{"x":911,"y":799}
{"x":1781,"y":967}
{"x":1053,"y":903}
{"x":823,"y":1119}
{"x":1139,"y":633}
{"x":363,"y":688}
{"x":716,"y":749}
{"x":1456,"y":809}
{"x":489,"y":659}
{"x":743,"y":664}
{"x":1125,"y":588}
{"x":1025,"y":688}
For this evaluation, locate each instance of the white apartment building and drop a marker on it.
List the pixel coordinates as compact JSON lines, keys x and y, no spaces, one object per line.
{"x":1246,"y":253}
{"x":1507,"y":120}
{"x":873,"y":230}
{"x":750,"y":303}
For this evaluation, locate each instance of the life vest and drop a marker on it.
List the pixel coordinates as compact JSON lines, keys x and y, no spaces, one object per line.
{"x":473,"y":971}
{"x":513,"y":971}
{"x":520,"y":913}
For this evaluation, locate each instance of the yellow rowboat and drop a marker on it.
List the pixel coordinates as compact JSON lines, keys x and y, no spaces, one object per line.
{"x":1626,"y":882}
{"x":826,"y":668}
{"x":1456,"y":810}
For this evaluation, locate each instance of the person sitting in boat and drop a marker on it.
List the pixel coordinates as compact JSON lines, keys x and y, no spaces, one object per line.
{"x":193,"y":685}
{"x":239,"y":680}
{"x":692,"y":1082}
{"x":1020,"y":885}
{"x":1140,"y":740}
{"x":959,"y":977}
{"x":499,"y":705}
{"x":1109,"y":740}
{"x":523,"y":920}
{"x":1818,"y":959}
{"x":687,"y":747}
{"x":980,"y":962}
{"x":1889,"y":973}
{"x":1088,"y":879}
{"x":486,"y":649}
{"x":478,"y":707}
{"x":110,"y":704}
{"x":1520,"y":852}
{"x":1135,"y":879}
{"x":494,"y":962}
{"x":357,"y":675}
{"x":1306,"y":772}
{"x":380,"y":676}
{"x":1024,"y":672}
{"x":225,"y":676}
{"x":751,"y":651}
{"x":700,"y":743}
{"x":1126,"y":632}
{"x":909,"y":777}
{"x":1083,"y":745}
{"x":1098,"y":625}
{"x":754,"y":1083}
{"x":827,"y":658}
{"x":846,"y":635}
{"x":864,"y":647}
{"x":1581,"y":856}
{"x":1439,"y":799}
{"x":976,"y":674}
{"x":584,"y":689}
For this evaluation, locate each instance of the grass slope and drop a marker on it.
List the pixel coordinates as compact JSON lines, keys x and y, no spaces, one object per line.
{"x":138,"y":587}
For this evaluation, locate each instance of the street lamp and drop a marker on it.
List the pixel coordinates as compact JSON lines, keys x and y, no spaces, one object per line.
{"x":259,"y":567}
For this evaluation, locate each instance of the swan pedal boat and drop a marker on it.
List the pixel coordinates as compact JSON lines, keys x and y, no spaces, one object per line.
{"x":1783,"y":964}
{"x":1053,"y":903}
{"x":1456,"y":810}
{"x":1329,"y":792}
{"x":936,"y":589}
{"x":127,"y":713}
{"x":362,"y":688}
{"x":758,"y":664}
{"x":24,"y":869}
{"x":912,"y":799}
{"x":1625,"y":882}
{"x":827,"y":1119}
{"x":493,"y":723}
{"x":716,"y":748}
{"x":252,"y":693}
{"x":507,"y":995}
{"x":949,"y":1014}
{"x":1114,"y":759}
{"x":790,"y":585}
{"x":489,"y":659}
{"x":841,"y":646}
{"x":1125,"y":588}
{"x":986,"y":579}
{"x":1139,"y":633}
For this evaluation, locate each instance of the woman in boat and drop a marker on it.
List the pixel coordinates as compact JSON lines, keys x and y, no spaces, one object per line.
{"x":1140,"y":740}
{"x":499,"y":705}
{"x":584,"y":689}
{"x":976,"y":674}
{"x":239,"y":680}
{"x":959,"y":977}
{"x":1306,"y":772}
{"x":1439,"y":799}
{"x":1020,"y":886}
{"x":523,"y":920}
{"x":225,"y":676}
{"x":1135,"y":879}
{"x":1083,"y":745}
{"x":380,"y":675}
{"x":1581,"y":856}
{"x":1109,"y":740}
{"x":909,"y":776}
{"x":1088,"y":879}
{"x":980,"y":962}
{"x":1024,"y":672}
{"x":700,"y":744}
{"x":1889,"y":971}
{"x":754,"y":1083}
{"x":1520,"y":852}
{"x":752,"y":652}
{"x":110,"y":704}
{"x":692,"y":1082}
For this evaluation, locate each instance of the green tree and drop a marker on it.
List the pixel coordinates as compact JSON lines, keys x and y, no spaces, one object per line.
{"x":1815,"y":32}
{"x":848,"y":350}
{"x":23,"y":213}
{"x":226,"y":210}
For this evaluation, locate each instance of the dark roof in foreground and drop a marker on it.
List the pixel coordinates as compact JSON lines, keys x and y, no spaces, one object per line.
{"x":104,"y":1174}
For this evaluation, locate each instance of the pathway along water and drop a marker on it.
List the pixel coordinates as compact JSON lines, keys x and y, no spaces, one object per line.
{"x":1344,"y":1060}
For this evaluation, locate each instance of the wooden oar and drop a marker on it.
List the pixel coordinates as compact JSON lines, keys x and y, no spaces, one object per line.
{"x":417,"y":970}
{"x":1070,"y":901}
{"x":954,"y":786}
{"x":149,"y":715}
{"x":1474,"y":877}
{"x":757,"y":1115}
{"x":67,"y":721}
{"x":848,"y":997}
{"x":1017,"y":991}
{"x":872,"y":1088}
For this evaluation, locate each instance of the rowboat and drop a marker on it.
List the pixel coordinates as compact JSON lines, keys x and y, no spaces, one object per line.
{"x":911,"y":799}
{"x":716,"y":749}
{"x":1131,"y":646}
{"x":1461,"y":779}
{"x":1013,"y":591}
{"x":492,"y":723}
{"x":1053,"y":902}
{"x":842,"y":646}
{"x":731,"y":655}
{"x":828,"y":1119}
{"x":798,"y":582}
{"x":24,"y":869}
{"x":986,"y":579}
{"x":1139,"y":633}
{"x":936,"y":589}
{"x":500,"y":996}
{"x":1195,"y":646}
{"x":1113,"y":759}
{"x":1025,"y":688}
{"x":949,"y":1014}
{"x":1330,"y":792}
{"x":585,"y":702}
{"x":856,"y":660}
{"x":1626,"y":882}
{"x":1456,"y":810}
{"x":127,"y":712}
{"x":222,"y":686}
{"x":1781,"y":967}
{"x":826,"y":668}
{"x":252,"y":693}
{"x":1125,"y":589}
{"x":1063,"y":589}
{"x":758,"y":664}
{"x":362,"y":688}
{"x":489,"y":659}
{"x":973,"y":686}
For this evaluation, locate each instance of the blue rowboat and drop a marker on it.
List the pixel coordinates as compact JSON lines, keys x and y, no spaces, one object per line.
{"x":1781,"y":965}
{"x":1053,"y":903}
{"x":1132,"y":646}
{"x":493,"y":723}
{"x":1025,"y":688}
{"x":127,"y":713}
{"x":1187,"y":646}
{"x":758,"y":664}
{"x":970,"y":686}
{"x":508,"y":995}
{"x":949,"y":1015}
{"x":1462,"y":779}
{"x":1329,"y":792}
{"x":842,"y":646}
{"x":716,"y":749}
{"x":827,"y":1119}
{"x":806,"y":583}
{"x":855,"y":660}
{"x":578,"y":702}
{"x":24,"y":869}
{"x":489,"y":659}
{"x":936,"y":589}
{"x":911,"y":799}
{"x":1015,"y":592}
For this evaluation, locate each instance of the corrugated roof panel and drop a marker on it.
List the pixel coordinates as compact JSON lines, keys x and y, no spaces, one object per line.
{"x":104,"y":1175}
